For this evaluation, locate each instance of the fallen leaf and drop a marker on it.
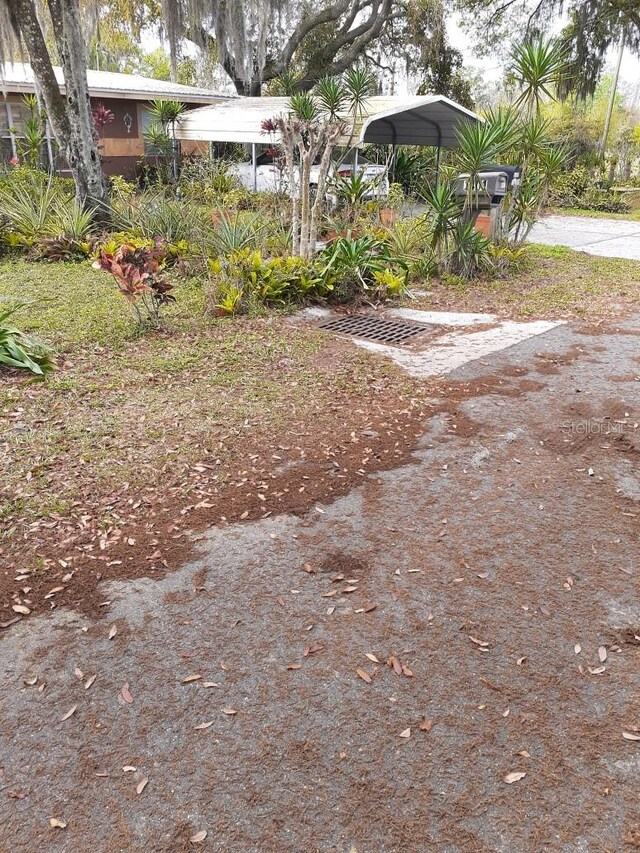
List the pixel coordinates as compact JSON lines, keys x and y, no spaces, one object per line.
{"x":520,"y":661}
{"x":368,"y":608}
{"x":372,"y":658}
{"x":631,"y":735}
{"x":210,"y":684}
{"x":229,"y":711}
{"x":204,"y":725}
{"x":426,"y":725}
{"x":142,"y":784}
{"x":294,"y":666}
{"x":364,"y":675}
{"x":126,"y":693}
{"x":577,"y":648}
{"x":79,"y":674}
{"x":596,"y":670}
{"x":69,"y":713}
{"x":505,"y":713}
{"x":516,"y":776}
{"x":31,"y":680}
{"x":483,"y":575}
{"x":312,"y":648}
{"x":21,"y":608}
{"x":524,"y":753}
{"x":405,"y":733}
{"x":59,"y":824}
{"x":129,"y":768}
{"x":191,"y":678}
{"x":406,"y":671}
{"x":481,"y":643}
{"x":198,"y":837}
{"x":395,"y":663}
{"x":112,"y":632}
{"x":89,"y":681}
{"x":602,"y":654}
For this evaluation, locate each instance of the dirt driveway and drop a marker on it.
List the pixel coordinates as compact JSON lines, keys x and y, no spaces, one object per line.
{"x":446,"y":658}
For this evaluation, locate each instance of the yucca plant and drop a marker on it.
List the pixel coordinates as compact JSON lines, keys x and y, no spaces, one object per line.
{"x":537,"y":66}
{"x":71,"y":220}
{"x":237,"y":232}
{"x":478,"y":144}
{"x":30,"y":208}
{"x":443,"y":211}
{"x":332,"y":96}
{"x":20,"y":351}
{"x":470,"y":253}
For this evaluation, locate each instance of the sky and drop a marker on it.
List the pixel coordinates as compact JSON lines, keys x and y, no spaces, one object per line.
{"x":493,"y":66}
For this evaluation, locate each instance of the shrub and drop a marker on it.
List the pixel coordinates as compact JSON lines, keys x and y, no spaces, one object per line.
{"x":20,"y":351}
{"x":137,"y":272}
{"x":579,"y":189}
{"x":245,"y":280}
{"x":151,"y":214}
{"x":351,"y":269}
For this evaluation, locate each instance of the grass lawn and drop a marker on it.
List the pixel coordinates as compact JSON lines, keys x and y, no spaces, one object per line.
{"x":143,"y":433}
{"x":553,"y":282}
{"x":632,"y":215}
{"x":137,"y":441}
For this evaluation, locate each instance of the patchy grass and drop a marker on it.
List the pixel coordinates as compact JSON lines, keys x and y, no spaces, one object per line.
{"x":131,"y":426}
{"x":632,"y":215}
{"x":552,"y":282}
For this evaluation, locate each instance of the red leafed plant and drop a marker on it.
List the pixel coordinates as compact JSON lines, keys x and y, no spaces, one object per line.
{"x":137,"y":271}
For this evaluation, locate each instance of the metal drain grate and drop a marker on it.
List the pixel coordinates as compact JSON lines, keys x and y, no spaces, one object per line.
{"x":375,"y":328}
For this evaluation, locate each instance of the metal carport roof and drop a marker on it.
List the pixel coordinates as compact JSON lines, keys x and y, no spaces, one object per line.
{"x":414,"y":120}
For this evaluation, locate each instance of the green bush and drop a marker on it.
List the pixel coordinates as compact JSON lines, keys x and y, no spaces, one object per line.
{"x":245,"y":280}
{"x":579,"y":189}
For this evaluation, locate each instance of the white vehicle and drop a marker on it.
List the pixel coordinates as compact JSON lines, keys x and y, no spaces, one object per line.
{"x":272,"y":177}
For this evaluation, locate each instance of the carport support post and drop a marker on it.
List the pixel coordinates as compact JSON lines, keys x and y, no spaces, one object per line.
{"x":254,"y":166}
{"x":438,"y":166}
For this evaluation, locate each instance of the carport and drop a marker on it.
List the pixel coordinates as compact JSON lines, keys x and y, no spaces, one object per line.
{"x":430,"y":120}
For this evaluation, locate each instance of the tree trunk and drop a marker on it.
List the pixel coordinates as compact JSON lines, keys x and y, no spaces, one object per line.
{"x":70,"y":118}
{"x":83,"y":157}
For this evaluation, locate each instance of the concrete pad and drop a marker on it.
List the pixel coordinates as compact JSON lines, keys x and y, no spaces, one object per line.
{"x":451,"y":351}
{"x":612,"y":238}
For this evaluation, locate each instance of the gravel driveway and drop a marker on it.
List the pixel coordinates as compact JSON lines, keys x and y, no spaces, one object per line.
{"x":445,"y":659}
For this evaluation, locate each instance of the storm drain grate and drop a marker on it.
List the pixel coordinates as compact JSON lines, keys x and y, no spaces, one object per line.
{"x":375,"y":328}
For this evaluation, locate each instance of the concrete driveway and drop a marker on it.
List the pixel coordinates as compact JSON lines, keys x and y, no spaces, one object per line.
{"x":611,"y":238}
{"x":444,"y":659}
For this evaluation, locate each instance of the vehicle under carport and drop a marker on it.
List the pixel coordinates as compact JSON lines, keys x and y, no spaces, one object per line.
{"x":429,"y":120}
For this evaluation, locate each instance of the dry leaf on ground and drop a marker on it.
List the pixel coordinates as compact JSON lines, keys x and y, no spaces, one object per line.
{"x":364,"y":675}
{"x":405,"y":733}
{"x":69,"y":713}
{"x":142,"y":784}
{"x":126,"y":693}
{"x":198,"y":837}
{"x":59,"y":824}
{"x":516,"y":776}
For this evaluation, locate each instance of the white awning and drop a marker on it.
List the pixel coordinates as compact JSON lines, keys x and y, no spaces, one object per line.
{"x":416,"y":120}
